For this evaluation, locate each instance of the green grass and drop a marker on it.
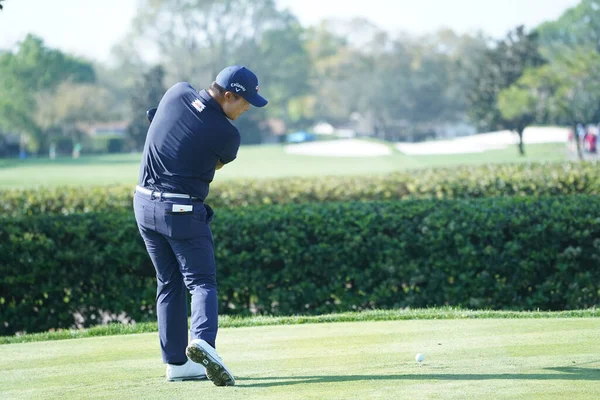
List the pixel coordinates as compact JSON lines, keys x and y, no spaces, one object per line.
{"x":253,"y":162}
{"x":547,"y":358}
{"x":226,"y":321}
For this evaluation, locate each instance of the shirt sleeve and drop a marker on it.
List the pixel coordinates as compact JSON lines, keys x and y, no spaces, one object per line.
{"x":228,"y":148}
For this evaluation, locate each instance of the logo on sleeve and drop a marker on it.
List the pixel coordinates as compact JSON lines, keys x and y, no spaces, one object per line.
{"x":197,"y":104}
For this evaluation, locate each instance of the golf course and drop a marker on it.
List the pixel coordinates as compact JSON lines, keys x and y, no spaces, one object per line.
{"x":371,"y":354}
{"x":468,"y":355}
{"x":300,"y":200}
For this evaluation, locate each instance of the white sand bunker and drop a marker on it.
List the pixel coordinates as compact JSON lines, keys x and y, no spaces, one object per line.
{"x":485,"y":141}
{"x":340,"y":148}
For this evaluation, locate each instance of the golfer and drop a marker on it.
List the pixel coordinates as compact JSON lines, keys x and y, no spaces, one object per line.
{"x":190,"y":137}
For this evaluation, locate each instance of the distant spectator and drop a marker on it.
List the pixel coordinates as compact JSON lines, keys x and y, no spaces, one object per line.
{"x":590,"y":141}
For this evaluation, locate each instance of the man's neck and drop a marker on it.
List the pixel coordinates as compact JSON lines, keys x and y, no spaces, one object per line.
{"x":218,"y":99}
{"x":215,"y":97}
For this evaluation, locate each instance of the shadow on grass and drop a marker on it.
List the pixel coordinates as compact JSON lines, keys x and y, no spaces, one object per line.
{"x":565,"y":373}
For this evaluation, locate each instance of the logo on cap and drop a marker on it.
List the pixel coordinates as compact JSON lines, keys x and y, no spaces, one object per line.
{"x":238,"y":87}
{"x":257,"y":88}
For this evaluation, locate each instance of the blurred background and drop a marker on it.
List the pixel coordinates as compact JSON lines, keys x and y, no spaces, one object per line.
{"x":354,"y":87}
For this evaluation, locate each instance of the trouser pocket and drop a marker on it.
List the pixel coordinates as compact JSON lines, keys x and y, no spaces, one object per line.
{"x":144,"y":211}
{"x":182,"y":225}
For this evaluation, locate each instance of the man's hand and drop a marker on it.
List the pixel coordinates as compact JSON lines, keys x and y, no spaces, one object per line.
{"x":219,"y":165}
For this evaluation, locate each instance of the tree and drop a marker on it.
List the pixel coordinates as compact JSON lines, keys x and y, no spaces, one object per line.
{"x":60,"y":112}
{"x":148,"y":93}
{"x":199,"y":37}
{"x":572,"y":44}
{"x":356,"y":75}
{"x":579,"y":26}
{"x":195,"y":39}
{"x":283,"y":64}
{"x":113,"y":81}
{"x":577,"y":96}
{"x":518,"y":107}
{"x":565,"y":91}
{"x":500,"y":67}
{"x":402,"y":86}
{"x":330,"y":56}
{"x":32,"y":69}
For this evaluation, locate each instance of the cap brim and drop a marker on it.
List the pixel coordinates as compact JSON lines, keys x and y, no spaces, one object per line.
{"x":257,"y":100}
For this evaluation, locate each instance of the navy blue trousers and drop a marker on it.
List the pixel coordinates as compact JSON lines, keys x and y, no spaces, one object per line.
{"x":180,"y":245}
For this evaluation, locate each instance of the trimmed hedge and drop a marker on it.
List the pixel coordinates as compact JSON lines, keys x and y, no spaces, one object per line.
{"x":503,"y":253}
{"x":461,"y":182}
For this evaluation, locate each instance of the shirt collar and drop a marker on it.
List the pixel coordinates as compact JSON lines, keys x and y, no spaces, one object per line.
{"x":204,"y":95}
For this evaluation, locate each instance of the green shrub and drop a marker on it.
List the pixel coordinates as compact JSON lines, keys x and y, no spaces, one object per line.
{"x":501,"y":253}
{"x":451,"y":183}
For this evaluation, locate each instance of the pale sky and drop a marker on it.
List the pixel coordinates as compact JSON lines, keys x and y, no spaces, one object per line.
{"x":90,"y":28}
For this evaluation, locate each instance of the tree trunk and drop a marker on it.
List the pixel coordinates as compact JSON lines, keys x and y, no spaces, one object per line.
{"x":578,"y":143}
{"x":521,"y":144}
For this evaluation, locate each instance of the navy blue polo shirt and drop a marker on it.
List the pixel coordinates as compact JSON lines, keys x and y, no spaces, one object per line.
{"x":188,"y":135}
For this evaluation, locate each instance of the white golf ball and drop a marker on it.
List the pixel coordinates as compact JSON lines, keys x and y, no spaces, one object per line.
{"x":419,"y":357}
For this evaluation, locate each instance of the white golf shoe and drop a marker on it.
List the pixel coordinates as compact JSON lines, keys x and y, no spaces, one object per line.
{"x":190,"y":371}
{"x":204,"y":354}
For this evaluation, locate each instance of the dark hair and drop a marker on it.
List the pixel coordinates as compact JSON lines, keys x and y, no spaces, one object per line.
{"x":218,"y":90}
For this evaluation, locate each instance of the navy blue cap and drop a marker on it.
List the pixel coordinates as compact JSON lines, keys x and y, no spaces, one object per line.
{"x":240,"y":80}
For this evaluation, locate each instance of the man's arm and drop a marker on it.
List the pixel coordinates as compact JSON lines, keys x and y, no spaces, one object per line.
{"x":226,"y":146}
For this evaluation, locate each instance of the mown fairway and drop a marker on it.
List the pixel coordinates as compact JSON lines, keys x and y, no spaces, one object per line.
{"x":253,"y":162}
{"x":465,"y":359}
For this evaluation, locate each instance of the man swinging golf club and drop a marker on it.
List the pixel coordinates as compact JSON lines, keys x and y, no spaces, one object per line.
{"x":190,"y":136}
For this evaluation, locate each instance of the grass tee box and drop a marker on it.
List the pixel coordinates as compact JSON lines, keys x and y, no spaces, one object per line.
{"x":546,"y":358}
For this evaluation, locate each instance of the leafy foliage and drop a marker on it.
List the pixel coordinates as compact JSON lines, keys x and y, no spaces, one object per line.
{"x":502,"y":66}
{"x":32,"y":69}
{"x":147,"y":94}
{"x":500,"y":253}
{"x":579,"y":26}
{"x":444,"y":183}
